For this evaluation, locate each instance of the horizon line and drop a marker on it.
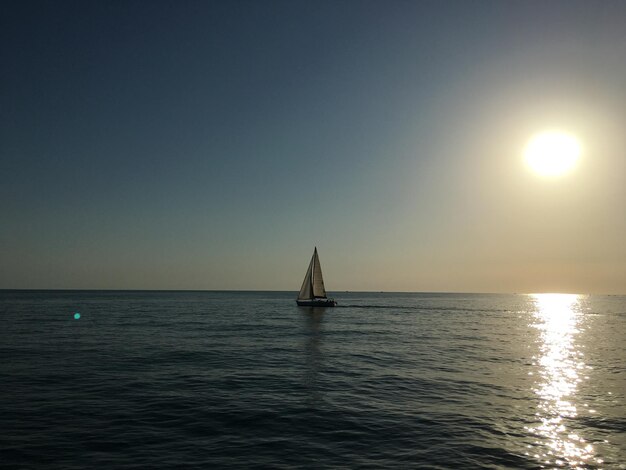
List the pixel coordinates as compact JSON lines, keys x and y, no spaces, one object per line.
{"x":334,"y":292}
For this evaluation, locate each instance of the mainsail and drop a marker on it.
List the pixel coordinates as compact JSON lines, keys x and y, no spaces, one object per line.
{"x":313,"y":284}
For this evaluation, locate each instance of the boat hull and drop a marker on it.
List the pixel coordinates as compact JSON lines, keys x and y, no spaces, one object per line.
{"x":316,"y":303}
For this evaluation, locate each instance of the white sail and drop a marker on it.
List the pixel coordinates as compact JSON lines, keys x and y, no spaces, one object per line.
{"x":313,"y":284}
{"x":318,"y":281}
{"x":306,"y":291}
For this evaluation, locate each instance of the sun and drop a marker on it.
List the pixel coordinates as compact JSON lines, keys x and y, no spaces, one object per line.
{"x":552,"y":153}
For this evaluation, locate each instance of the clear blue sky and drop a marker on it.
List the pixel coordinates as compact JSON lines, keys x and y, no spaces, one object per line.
{"x":212,"y":145}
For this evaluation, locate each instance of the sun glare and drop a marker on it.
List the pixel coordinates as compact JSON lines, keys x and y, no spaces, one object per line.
{"x":561,"y":369}
{"x":552,"y":153}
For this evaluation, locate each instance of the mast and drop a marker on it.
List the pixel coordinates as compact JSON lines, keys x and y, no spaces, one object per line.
{"x":313,"y":263}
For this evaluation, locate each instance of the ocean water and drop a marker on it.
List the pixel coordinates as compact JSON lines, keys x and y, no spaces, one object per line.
{"x":248,"y":379}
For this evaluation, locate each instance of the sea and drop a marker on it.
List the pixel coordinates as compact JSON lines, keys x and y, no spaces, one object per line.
{"x":205,"y":379}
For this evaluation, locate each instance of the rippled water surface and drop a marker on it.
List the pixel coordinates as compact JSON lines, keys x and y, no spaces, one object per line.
{"x":243,"y":379}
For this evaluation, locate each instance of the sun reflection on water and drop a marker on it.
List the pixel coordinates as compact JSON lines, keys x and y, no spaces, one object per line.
{"x":561,"y":368}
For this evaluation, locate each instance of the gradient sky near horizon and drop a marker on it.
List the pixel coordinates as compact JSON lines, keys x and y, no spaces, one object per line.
{"x":212,"y":145}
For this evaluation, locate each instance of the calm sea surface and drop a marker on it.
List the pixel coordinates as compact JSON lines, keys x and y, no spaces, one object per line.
{"x":248,"y":379}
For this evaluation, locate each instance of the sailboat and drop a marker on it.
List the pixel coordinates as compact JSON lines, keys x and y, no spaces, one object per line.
{"x":312,"y":292}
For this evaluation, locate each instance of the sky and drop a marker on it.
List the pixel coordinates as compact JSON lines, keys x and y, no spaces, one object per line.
{"x":214,"y":144}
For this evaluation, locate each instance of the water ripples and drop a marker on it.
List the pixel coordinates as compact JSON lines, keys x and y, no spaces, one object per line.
{"x":248,"y":379}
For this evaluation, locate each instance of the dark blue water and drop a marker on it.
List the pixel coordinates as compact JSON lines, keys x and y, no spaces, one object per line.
{"x":248,"y":379}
